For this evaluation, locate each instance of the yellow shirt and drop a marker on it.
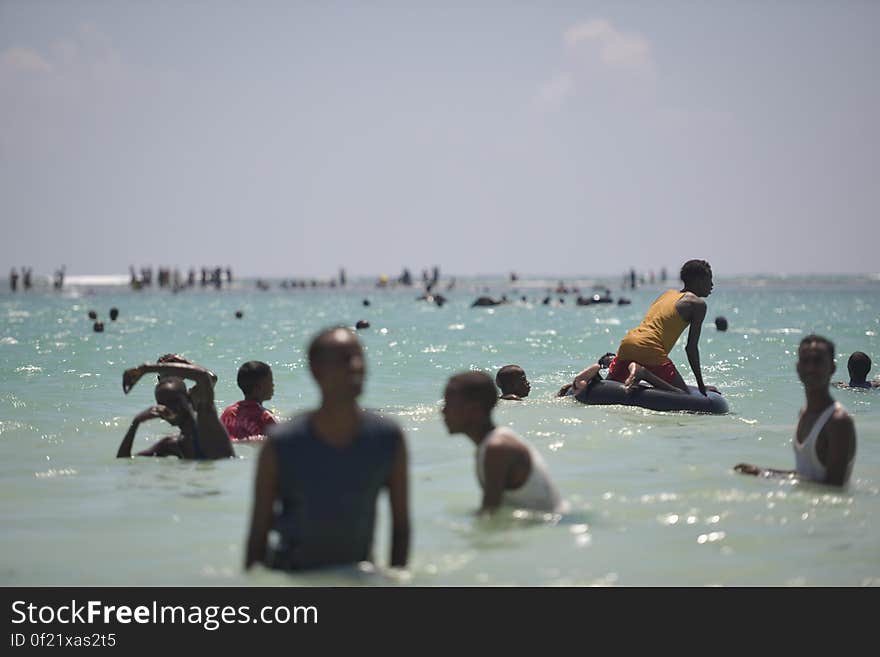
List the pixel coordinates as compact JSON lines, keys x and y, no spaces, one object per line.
{"x":650,"y":342}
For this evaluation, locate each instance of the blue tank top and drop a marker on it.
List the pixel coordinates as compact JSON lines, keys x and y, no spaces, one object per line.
{"x":328,"y":495}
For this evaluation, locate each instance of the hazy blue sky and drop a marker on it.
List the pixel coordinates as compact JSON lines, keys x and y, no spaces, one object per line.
{"x":292,"y":138}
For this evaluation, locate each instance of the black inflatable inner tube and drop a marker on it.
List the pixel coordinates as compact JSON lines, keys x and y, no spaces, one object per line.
{"x":611,"y":392}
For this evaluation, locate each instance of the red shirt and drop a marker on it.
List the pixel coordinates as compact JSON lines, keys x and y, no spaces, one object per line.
{"x":245,"y":419}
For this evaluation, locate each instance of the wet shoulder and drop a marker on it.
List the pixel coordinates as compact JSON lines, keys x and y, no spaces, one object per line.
{"x":690,"y":299}
{"x":841,"y":418}
{"x":505,"y":437}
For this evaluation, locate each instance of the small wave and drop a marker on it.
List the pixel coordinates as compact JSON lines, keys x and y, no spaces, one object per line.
{"x":52,"y":472}
{"x":8,"y":340}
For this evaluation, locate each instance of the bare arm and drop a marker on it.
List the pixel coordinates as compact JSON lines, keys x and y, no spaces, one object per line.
{"x":398,"y":497}
{"x":697,"y":315}
{"x":196,"y":373}
{"x":213,"y":437}
{"x":749,"y":469}
{"x":841,"y":449}
{"x":582,"y":378}
{"x":265,"y":493}
{"x":124,"y":450}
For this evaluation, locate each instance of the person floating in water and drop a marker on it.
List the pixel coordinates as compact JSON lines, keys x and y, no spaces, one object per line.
{"x":486,"y":301}
{"x":202,"y":435}
{"x":510,"y":471}
{"x":643,"y":355}
{"x":512,"y":381}
{"x":859,"y":364}
{"x":825,"y":439}
{"x":319,"y":475}
{"x":248,"y":419}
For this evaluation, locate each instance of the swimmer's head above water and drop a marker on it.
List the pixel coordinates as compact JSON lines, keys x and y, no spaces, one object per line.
{"x":512,"y":381}
{"x":859,"y":364}
{"x":815,"y":361}
{"x":337,"y":362}
{"x":255,"y":380}
{"x":468,"y":401}
{"x":171,"y":393}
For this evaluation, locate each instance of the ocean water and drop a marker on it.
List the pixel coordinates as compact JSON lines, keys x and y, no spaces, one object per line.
{"x":654,"y":500}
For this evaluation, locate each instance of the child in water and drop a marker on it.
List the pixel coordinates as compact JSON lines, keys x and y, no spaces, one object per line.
{"x":248,"y":419}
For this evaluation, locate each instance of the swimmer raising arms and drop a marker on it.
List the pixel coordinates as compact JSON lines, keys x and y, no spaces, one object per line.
{"x":202,"y":435}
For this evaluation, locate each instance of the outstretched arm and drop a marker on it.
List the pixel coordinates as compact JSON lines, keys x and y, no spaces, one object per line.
{"x":265,"y":492}
{"x":749,"y":469}
{"x":158,"y":410}
{"x":398,"y":497}
{"x":697,"y":315}
{"x":182,"y":370}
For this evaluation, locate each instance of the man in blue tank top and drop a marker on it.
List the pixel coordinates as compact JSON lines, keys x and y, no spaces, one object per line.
{"x":326,"y":468}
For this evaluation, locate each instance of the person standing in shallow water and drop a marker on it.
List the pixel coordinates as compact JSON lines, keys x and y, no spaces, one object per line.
{"x":319,"y":475}
{"x":248,"y":419}
{"x":825,"y":439}
{"x":510,"y":471}
{"x":643,"y":355}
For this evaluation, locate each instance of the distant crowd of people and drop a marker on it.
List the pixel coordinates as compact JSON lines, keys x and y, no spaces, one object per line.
{"x":167,"y":277}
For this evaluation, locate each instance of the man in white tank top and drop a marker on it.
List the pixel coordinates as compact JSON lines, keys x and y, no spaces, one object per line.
{"x":510,"y":471}
{"x":825,"y":441}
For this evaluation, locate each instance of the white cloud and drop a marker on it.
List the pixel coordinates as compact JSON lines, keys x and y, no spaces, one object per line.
{"x":45,"y":94}
{"x":23,"y":60}
{"x":613,"y":47}
{"x":597,"y":49}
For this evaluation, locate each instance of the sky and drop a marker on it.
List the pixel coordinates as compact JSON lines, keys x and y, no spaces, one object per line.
{"x":565,"y":138}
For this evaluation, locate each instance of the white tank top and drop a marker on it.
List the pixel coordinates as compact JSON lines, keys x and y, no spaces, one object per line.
{"x":537,"y":493}
{"x":806,"y":459}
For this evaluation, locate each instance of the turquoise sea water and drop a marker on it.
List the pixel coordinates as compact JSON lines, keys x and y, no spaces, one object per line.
{"x":654,"y":500}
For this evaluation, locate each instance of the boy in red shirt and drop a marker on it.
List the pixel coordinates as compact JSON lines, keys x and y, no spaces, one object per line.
{"x":247,"y":419}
